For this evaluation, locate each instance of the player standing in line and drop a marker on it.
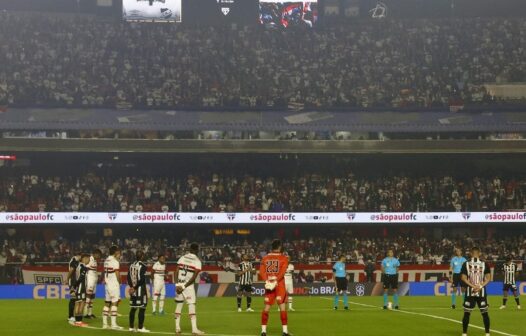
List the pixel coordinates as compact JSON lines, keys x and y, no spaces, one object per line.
{"x":72,"y":267}
{"x":138,"y":292}
{"x":188,"y":267}
{"x":79,"y":285}
{"x":159,"y":286}
{"x":476,"y":275}
{"x":112,"y":277}
{"x":458,"y":286}
{"x":272,"y":270}
{"x":289,"y":284}
{"x":245,"y":273}
{"x":91,"y":282}
{"x":390,"y":266}
{"x":340,"y":279}
{"x":510,"y":273}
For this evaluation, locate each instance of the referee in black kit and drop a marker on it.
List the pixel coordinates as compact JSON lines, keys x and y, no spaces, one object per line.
{"x":245,"y":273}
{"x":476,"y":275}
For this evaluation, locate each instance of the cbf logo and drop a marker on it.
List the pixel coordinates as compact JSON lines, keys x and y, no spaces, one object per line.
{"x":112,"y":216}
{"x":360,"y":290}
{"x":351,"y":216}
{"x":231,"y":216}
{"x":466,"y":215}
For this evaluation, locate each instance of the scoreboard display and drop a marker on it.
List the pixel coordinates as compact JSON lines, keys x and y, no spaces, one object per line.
{"x":270,"y":13}
{"x":152,"y":10}
{"x":283,"y":13}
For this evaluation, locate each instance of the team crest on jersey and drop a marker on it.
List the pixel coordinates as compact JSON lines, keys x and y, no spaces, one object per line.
{"x":466,"y":215}
{"x":231,"y":216}
{"x":225,"y":10}
{"x":351,"y":216}
{"x":112,"y":216}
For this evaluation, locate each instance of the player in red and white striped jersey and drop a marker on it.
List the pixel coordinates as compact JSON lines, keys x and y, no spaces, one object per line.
{"x":159,"y":289}
{"x":188,"y":267}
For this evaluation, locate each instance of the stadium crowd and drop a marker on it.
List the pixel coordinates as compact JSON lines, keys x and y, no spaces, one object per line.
{"x":62,"y":60}
{"x":17,"y":250}
{"x":240,"y":192}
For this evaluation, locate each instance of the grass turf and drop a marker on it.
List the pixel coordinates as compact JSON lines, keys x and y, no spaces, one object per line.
{"x":426,"y":316}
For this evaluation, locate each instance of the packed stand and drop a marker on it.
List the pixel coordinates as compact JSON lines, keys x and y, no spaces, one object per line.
{"x":243,"y":193}
{"x":63,"y":60}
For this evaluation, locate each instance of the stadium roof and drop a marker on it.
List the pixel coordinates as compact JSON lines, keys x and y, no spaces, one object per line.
{"x":157,"y":120}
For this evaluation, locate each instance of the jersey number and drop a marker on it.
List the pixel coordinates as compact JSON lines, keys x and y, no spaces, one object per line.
{"x":183,"y":271}
{"x":272,"y":266}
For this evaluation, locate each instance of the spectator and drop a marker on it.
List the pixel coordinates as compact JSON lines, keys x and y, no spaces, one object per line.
{"x":3,"y":262}
{"x":301,"y":277}
{"x":369,"y":271}
{"x":84,"y":61}
{"x":309,"y":278}
{"x":245,"y":193}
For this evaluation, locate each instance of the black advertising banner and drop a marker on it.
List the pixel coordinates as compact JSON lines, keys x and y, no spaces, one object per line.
{"x":301,"y":289}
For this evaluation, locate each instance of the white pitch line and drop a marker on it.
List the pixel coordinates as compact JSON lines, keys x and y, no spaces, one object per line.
{"x":451,"y":320}
{"x":162,"y":332}
{"x":429,"y":315}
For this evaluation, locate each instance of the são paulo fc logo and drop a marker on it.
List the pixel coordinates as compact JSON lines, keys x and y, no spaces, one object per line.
{"x":112,"y":216}
{"x":351,"y":216}
{"x":231,"y":216}
{"x":360,"y":290}
{"x":466,"y":215}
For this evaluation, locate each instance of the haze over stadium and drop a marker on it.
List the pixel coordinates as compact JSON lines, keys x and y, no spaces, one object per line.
{"x":263,"y":167}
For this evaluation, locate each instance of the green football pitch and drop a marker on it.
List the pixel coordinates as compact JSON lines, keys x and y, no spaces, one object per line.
{"x":425,"y":316}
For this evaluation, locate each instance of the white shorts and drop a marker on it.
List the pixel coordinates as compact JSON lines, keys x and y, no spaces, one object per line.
{"x":289,"y":287}
{"x":159,"y":288}
{"x":188,"y":295}
{"x":91,"y":284}
{"x":113,"y":293}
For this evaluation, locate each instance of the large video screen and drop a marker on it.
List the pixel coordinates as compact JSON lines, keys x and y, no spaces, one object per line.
{"x":280,"y":13}
{"x":152,"y":10}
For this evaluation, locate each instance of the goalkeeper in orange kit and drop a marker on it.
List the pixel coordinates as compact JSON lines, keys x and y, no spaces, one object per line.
{"x":272,"y":271}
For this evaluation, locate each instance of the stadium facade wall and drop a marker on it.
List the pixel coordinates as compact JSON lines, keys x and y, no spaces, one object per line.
{"x":44,"y":292}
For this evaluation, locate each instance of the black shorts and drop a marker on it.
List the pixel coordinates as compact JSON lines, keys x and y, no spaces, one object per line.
{"x":471,"y":302}
{"x":341,"y":284}
{"x":390,"y":281}
{"x":80,"y":293}
{"x":139,"y":299}
{"x":245,"y":288}
{"x":457,"y":281}
{"x":508,"y":287}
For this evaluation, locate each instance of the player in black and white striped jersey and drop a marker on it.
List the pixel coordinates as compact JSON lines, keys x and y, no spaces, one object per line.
{"x":138,"y":292}
{"x":72,"y":266}
{"x":476,"y":275}
{"x":78,"y":283}
{"x":245,"y":273}
{"x":510,"y":271}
